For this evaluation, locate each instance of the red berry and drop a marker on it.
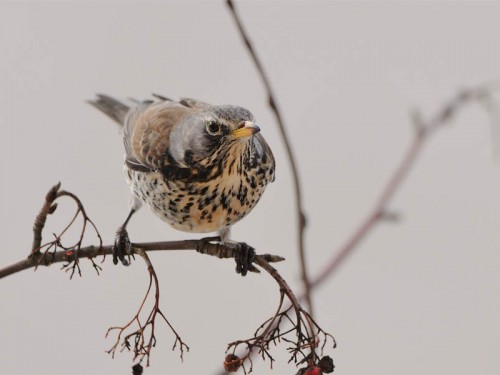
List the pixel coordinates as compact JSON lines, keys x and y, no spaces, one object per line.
{"x":313,"y":371}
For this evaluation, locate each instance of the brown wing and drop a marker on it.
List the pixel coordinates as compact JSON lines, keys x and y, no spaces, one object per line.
{"x":147,"y":133}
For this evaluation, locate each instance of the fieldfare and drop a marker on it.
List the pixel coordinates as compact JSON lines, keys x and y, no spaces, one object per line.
{"x":199,"y":167}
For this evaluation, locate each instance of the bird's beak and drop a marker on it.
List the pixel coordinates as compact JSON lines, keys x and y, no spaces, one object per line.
{"x":246,"y":129}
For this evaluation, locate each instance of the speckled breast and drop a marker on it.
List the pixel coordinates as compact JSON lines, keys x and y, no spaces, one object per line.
{"x":200,"y":206}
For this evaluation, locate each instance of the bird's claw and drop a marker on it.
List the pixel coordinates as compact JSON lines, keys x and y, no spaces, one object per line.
{"x":244,"y":258}
{"x":122,"y":247}
{"x":243,"y":254}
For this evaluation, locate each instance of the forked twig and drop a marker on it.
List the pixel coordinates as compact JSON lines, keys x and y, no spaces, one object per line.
{"x":305,"y":337}
{"x":144,"y":337}
{"x":50,"y":248}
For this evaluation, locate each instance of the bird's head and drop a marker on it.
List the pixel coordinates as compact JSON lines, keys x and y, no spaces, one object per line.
{"x":216,"y":132}
{"x":228,"y":125}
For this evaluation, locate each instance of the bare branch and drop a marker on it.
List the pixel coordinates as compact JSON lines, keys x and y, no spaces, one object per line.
{"x":301,"y":217}
{"x":423,"y":129}
{"x":379,"y":213}
{"x":144,"y":338}
{"x":38,"y":256}
{"x":91,"y":251}
{"x":305,"y":337}
{"x":47,"y":209}
{"x":138,"y":334}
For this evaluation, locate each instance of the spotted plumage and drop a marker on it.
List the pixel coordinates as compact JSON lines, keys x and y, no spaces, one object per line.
{"x":199,"y":167}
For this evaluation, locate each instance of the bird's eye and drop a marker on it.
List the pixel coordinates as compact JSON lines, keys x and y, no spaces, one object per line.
{"x":213,"y":128}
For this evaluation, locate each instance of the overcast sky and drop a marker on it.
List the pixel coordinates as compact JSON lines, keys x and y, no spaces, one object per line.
{"x":421,"y":296}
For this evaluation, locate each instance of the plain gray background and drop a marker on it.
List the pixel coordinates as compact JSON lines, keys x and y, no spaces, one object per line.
{"x":421,"y":296}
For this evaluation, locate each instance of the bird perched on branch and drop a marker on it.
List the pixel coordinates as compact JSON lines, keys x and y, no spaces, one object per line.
{"x":199,"y":167}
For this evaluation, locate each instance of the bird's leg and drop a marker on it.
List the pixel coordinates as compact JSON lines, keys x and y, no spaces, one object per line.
{"x":122,"y":245}
{"x":225,"y":234}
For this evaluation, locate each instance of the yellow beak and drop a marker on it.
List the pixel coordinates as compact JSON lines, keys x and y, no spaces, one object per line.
{"x":248,"y":129}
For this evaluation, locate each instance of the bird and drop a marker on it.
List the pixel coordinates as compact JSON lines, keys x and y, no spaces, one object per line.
{"x":199,"y":167}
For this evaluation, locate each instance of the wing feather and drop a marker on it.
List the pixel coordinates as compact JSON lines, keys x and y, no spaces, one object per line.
{"x":147,"y":134}
{"x":147,"y":126}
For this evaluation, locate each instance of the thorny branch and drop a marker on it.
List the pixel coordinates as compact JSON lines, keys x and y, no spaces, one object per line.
{"x":301,"y":217}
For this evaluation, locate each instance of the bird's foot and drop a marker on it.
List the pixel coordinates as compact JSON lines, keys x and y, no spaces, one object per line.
{"x":245,"y":255}
{"x":122,"y":247}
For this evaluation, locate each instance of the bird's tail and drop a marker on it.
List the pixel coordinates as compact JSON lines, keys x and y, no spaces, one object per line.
{"x":115,"y":109}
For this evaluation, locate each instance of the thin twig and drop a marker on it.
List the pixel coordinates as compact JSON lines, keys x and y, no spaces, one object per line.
{"x":144,"y":337}
{"x":301,"y":218}
{"x":50,"y":248}
{"x":306,"y":338}
{"x":48,"y":208}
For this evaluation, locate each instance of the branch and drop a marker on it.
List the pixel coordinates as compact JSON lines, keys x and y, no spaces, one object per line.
{"x":48,"y":208}
{"x":306,"y":338}
{"x":308,"y":335}
{"x":37,"y":256}
{"x":423,"y":130}
{"x":91,"y":252}
{"x":72,"y":254}
{"x":144,"y":338}
{"x":139,"y":335}
{"x":301,"y":218}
